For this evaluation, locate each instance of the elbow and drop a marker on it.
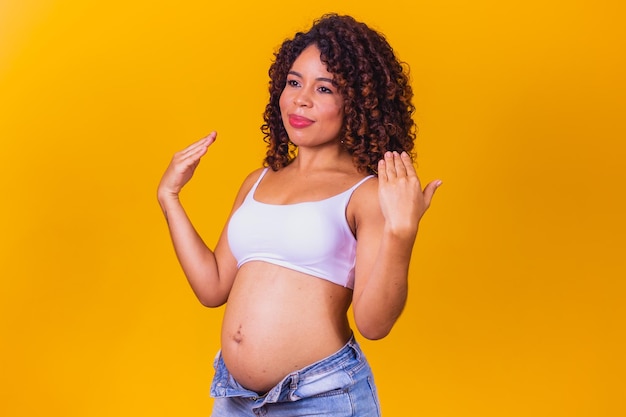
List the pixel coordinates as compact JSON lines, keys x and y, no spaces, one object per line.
{"x":208,"y":295}
{"x":210,"y":303}
{"x":210,"y":300}
{"x":374,"y":324}
{"x":375,"y":335}
{"x":372,"y":331}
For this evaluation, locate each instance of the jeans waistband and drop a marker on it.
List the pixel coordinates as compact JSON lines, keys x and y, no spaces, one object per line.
{"x":338,"y":368}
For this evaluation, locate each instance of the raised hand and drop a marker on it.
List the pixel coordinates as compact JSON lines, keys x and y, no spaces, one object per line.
{"x":183,"y":164}
{"x":402,"y":200}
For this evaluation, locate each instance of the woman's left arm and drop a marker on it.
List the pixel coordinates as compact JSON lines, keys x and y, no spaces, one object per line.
{"x":385,"y":237}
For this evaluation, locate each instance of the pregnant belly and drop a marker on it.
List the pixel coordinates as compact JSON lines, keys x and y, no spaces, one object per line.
{"x":278,"y":321}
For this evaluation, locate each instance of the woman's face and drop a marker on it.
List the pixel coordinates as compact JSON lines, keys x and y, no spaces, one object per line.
{"x":310,"y":106}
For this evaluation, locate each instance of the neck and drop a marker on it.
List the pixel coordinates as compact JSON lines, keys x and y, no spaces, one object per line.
{"x":336,"y":158}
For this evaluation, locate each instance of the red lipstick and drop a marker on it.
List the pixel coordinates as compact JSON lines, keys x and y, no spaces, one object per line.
{"x":299,"y":122}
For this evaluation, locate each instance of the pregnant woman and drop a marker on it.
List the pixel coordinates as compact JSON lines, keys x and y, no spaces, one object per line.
{"x":329,"y":221}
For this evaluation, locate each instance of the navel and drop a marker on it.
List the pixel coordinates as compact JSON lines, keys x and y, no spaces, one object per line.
{"x":238,"y":336}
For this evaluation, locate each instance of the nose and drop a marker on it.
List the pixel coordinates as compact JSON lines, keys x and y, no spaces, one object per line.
{"x":302,"y":98}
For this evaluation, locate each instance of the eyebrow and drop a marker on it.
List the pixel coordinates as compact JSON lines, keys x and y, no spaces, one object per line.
{"x":297,"y":74}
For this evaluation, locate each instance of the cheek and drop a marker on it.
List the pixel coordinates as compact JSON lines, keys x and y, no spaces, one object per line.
{"x":339,"y":116}
{"x":282,"y":102}
{"x":340,"y":109}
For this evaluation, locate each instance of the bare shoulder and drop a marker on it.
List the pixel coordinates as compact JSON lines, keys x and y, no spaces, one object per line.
{"x":364,"y":206}
{"x":251,"y":178}
{"x":366,"y":191}
{"x":246,"y":185}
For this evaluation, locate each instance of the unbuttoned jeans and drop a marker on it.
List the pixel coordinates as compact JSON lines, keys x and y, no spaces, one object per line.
{"x":340,"y":385}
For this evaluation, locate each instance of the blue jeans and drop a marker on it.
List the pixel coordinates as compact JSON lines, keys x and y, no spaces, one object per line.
{"x":340,"y":385}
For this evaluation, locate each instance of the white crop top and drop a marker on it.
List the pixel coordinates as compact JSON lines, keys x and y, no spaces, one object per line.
{"x":310,"y":237}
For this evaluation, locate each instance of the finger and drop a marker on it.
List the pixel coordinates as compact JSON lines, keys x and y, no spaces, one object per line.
{"x":429,"y":191}
{"x":191,"y":148}
{"x":198,"y":153}
{"x":390,"y":166}
{"x":210,"y":138}
{"x":408,"y":164}
{"x":398,"y":163}
{"x":190,"y":158}
{"x":205,"y":142}
{"x":382,"y":170}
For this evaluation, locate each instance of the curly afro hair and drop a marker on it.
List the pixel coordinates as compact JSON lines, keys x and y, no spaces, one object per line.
{"x":373,"y":82}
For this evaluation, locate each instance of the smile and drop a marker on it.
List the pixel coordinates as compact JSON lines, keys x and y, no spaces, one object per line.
{"x":299,"y":122}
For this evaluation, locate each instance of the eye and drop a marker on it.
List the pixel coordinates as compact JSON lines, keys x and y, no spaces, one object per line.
{"x":292,"y":83}
{"x":325,"y":90}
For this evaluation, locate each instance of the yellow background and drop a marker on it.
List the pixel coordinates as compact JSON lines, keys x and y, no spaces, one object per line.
{"x":517,"y":291}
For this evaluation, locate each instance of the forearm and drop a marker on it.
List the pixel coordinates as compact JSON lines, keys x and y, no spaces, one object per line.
{"x":196,"y":259}
{"x":383,"y":298}
{"x":386,"y":243}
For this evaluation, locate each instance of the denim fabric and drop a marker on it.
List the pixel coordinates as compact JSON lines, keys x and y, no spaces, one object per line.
{"x":340,"y":385}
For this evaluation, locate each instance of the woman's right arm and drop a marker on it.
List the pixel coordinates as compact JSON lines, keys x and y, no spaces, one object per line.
{"x":210,"y":273}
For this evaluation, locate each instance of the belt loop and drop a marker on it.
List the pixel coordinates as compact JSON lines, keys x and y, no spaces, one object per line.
{"x":355,"y":347}
{"x":294,"y":379}
{"x":293,"y":386}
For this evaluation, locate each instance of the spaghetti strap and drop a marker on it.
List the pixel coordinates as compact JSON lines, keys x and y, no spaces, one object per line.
{"x":258,"y":181}
{"x":250,"y":194}
{"x":355,"y":186}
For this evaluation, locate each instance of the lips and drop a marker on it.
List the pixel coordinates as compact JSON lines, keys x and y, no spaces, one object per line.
{"x":299,"y":122}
